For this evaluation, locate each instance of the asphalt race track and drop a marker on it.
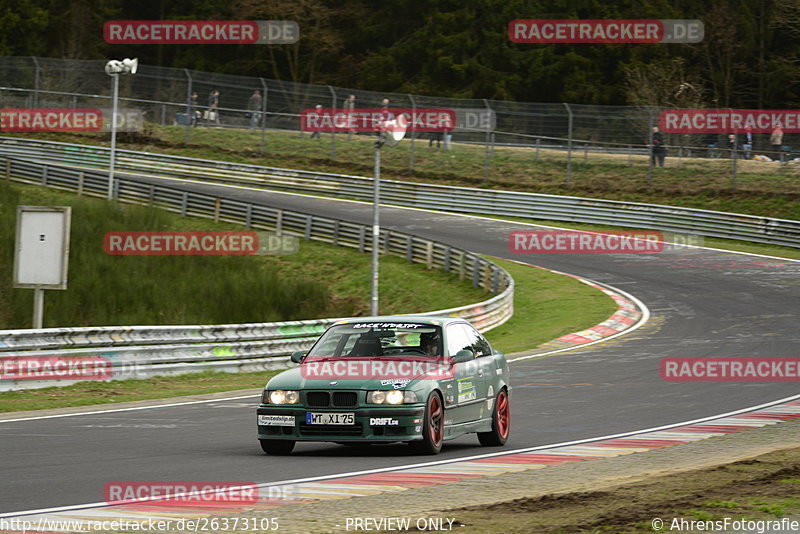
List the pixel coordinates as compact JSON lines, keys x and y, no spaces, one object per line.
{"x":703,"y":303}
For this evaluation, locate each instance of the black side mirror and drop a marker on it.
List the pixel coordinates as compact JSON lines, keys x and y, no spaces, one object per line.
{"x":298,"y":356}
{"x":465,"y":355}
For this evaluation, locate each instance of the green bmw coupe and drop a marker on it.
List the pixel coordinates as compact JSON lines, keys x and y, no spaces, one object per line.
{"x":420,"y":380}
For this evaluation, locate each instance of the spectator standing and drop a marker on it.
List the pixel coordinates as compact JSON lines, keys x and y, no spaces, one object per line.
{"x":316,"y":133}
{"x":254,"y":107}
{"x":191,"y":110}
{"x":747,"y":146}
{"x":776,"y":140}
{"x":385,"y":115}
{"x":658,"y":149}
{"x":212,"y":113}
{"x":731,"y":143}
{"x":349,"y":105}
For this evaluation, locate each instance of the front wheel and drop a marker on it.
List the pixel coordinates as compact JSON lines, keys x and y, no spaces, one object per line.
{"x":278,"y":447}
{"x":501,"y":422}
{"x":433,"y":427}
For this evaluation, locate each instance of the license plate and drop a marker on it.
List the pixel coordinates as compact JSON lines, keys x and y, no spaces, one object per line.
{"x":317,"y":418}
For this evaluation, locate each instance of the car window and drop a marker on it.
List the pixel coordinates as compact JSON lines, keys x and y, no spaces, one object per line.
{"x":480,"y":346}
{"x":458,"y":339}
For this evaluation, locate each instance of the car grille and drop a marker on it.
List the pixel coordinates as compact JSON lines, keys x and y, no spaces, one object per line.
{"x":340,"y":399}
{"x":331,"y":430}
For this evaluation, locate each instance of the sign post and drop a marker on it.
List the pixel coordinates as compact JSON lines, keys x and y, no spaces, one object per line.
{"x":41,"y":252}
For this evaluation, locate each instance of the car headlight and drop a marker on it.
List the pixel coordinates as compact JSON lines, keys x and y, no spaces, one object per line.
{"x":392,"y":396}
{"x":280,"y":397}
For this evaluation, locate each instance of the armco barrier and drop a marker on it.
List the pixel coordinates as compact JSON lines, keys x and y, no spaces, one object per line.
{"x":706,"y":223}
{"x":142,"y":351}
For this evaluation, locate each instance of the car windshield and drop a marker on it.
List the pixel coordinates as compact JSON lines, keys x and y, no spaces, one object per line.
{"x":371,"y":339}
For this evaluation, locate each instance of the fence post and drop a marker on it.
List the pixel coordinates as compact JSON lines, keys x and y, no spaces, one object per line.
{"x":188,"y":99}
{"x":650,"y":151}
{"x":8,"y":169}
{"x":569,"y":146}
{"x":279,"y":223}
{"x":333,"y":134}
{"x":80,"y":183}
{"x":413,"y":136}
{"x":217,"y":207}
{"x":586,"y":153}
{"x":36,"y":80}
{"x":264,"y":103}
{"x":486,"y":154}
{"x":184,"y":204}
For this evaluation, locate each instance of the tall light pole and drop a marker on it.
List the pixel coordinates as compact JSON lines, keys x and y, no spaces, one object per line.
{"x":114,"y":68}
{"x":390,"y":132}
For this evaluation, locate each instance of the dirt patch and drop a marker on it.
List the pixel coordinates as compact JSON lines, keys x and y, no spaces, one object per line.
{"x":766,"y":487}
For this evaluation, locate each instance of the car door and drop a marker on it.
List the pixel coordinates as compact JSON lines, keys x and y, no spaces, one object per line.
{"x":484,"y":371}
{"x":465,"y":393}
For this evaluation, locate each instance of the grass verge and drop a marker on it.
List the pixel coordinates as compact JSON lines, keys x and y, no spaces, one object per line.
{"x":547,"y":306}
{"x":762,"y":489}
{"x":95,"y":393}
{"x":320,"y":280}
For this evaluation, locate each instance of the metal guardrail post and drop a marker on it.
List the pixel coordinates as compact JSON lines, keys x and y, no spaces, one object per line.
{"x":568,"y":178}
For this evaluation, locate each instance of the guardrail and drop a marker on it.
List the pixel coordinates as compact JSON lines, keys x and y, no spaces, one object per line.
{"x":142,"y":351}
{"x":706,"y":223}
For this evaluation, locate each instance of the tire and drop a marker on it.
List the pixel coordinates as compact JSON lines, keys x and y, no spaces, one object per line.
{"x":277,"y":447}
{"x":501,"y":422}
{"x":433,"y":427}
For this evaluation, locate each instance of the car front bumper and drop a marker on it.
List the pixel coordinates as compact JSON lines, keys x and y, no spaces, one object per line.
{"x":401,"y":423}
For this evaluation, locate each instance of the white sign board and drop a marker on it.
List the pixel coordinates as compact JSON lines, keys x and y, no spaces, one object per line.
{"x":42,"y":247}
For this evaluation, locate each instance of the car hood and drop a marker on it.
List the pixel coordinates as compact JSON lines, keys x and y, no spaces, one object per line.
{"x":301,"y":378}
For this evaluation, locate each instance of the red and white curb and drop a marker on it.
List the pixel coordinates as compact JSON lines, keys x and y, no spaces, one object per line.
{"x":631,"y":314}
{"x":393,"y":480}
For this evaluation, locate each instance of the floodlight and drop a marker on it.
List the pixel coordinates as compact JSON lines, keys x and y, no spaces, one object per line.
{"x":393,"y":131}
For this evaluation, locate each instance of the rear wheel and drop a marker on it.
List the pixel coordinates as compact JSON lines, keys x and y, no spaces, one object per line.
{"x":278,"y":447}
{"x":433,"y":427}
{"x":501,"y":422}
